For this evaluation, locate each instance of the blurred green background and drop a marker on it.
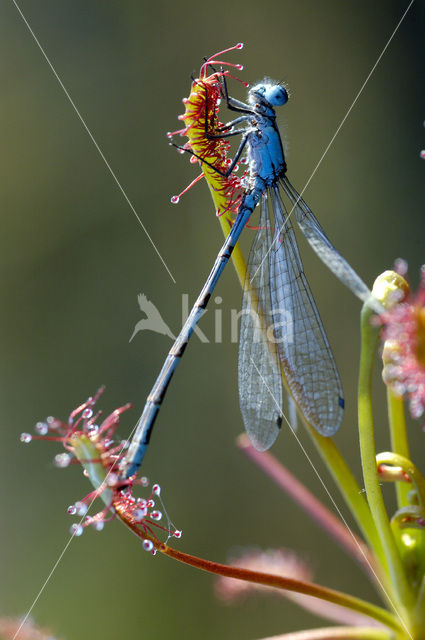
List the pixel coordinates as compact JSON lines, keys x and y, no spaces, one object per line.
{"x":74,"y":258}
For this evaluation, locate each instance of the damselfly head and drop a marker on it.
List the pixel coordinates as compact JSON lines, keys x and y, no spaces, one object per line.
{"x":268,"y":92}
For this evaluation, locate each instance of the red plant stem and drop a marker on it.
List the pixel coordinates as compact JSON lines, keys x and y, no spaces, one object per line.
{"x":290,"y":584}
{"x":312,"y":506}
{"x":269,"y":579}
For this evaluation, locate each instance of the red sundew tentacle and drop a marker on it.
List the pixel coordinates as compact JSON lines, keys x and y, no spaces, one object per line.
{"x":245,"y":84}
{"x":53,"y":424}
{"x":106,"y":511}
{"x":211,"y":60}
{"x":95,"y":417}
{"x":109,"y":517}
{"x":119,"y":448}
{"x":92,"y":495}
{"x":146,"y":529}
{"x":175,"y":199}
{"x":87,"y":404}
{"x":76,"y":424}
{"x":78,"y":410}
{"x":111,"y":422}
{"x":51,"y":438}
{"x":180,"y":132}
{"x":158,"y":526}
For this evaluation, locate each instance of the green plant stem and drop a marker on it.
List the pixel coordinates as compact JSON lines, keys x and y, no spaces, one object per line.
{"x":349,"y":489}
{"x":419,"y":611}
{"x":270,"y":580}
{"x":399,"y":442}
{"x":368,"y":458}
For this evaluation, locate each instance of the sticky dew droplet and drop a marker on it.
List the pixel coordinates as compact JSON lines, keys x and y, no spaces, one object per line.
{"x":26,"y":438}
{"x":140,"y":514}
{"x":76,"y":530}
{"x":62,"y":460}
{"x":41,"y":428}
{"x":175,"y":199}
{"x":147,"y":545}
{"x":81,"y":508}
{"x":92,"y":429}
{"x":112,"y":480}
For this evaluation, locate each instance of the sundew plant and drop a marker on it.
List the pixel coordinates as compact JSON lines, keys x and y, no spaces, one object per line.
{"x":357,"y":478}
{"x":391,"y":547}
